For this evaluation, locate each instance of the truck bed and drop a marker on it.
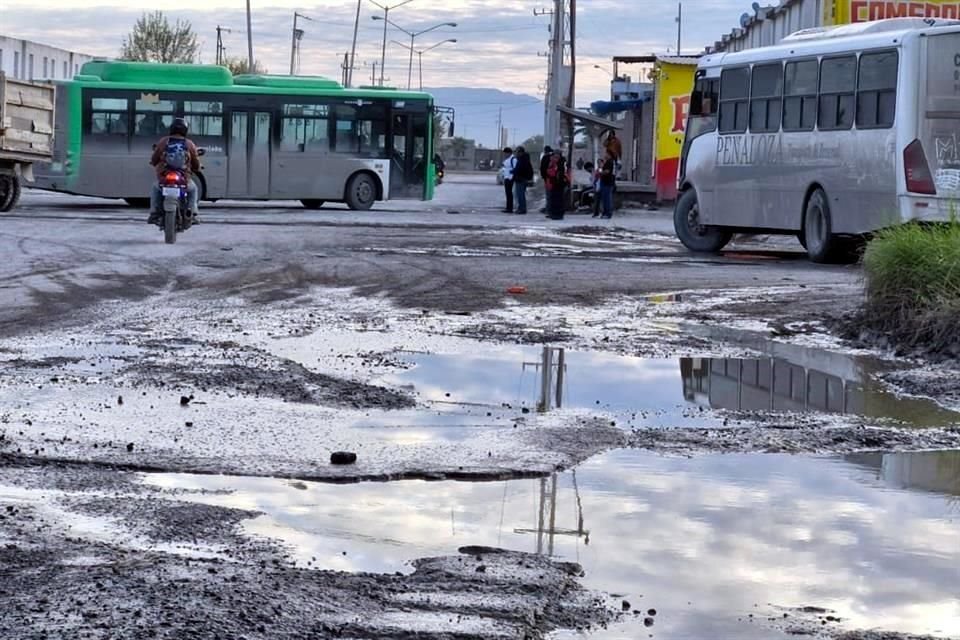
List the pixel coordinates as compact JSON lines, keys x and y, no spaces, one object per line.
{"x":26,"y":120}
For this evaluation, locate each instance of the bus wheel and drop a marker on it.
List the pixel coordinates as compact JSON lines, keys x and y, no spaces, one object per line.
{"x":361,"y":192}
{"x":822,"y":246}
{"x":312,"y":204}
{"x":9,"y":192}
{"x":695,"y":236}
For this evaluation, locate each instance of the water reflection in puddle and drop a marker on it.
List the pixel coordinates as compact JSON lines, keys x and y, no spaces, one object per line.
{"x":705,"y":541}
{"x":670,"y":392}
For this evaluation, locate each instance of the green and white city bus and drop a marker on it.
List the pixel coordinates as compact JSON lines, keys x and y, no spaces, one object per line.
{"x":266,"y":137}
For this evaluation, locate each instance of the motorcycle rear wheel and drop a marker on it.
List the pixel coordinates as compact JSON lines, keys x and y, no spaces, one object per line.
{"x":170,"y":225}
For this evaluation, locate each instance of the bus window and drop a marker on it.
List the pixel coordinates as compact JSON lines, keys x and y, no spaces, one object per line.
{"x":800,"y":95}
{"x":346,"y":139}
{"x":153,"y":118}
{"x":304,"y":128}
{"x":372,"y":130}
{"x":734,"y":100}
{"x":838,"y":77}
{"x":877,"y":90}
{"x":205,"y":118}
{"x":766,"y":91}
{"x":704,"y":103}
{"x":108,"y":116}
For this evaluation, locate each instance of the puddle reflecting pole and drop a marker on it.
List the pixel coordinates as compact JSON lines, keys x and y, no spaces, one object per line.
{"x":546,"y":375}
{"x":543,"y":494}
{"x":553,"y":514}
{"x":561,"y":353}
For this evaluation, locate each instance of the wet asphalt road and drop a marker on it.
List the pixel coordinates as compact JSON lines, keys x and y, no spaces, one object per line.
{"x":456,"y":253}
{"x":269,"y":336}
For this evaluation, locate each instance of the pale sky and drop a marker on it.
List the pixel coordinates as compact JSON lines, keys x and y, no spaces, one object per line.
{"x":498,"y":40}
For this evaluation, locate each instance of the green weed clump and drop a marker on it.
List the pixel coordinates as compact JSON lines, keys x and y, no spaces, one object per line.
{"x":913,"y":286}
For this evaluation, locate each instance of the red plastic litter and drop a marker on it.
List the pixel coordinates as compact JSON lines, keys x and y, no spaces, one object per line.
{"x":517,"y":290}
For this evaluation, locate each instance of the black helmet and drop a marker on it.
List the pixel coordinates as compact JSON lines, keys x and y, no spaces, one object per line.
{"x":179,"y":127}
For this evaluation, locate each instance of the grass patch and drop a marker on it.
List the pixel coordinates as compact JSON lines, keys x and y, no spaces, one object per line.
{"x":913,"y":286}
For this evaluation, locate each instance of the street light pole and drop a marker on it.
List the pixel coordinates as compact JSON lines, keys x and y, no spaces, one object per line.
{"x":410,"y":64}
{"x":604,"y":69}
{"x":249,"y":41}
{"x":386,"y":20}
{"x":420,"y":53}
{"x":413,"y":36}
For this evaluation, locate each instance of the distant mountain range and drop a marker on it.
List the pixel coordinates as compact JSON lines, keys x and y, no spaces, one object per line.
{"x":476,"y":113}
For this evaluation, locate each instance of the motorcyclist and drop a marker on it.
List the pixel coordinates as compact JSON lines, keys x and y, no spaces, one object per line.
{"x":175,"y":152}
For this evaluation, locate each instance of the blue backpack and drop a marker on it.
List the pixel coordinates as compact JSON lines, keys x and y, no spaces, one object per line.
{"x":176,"y":156}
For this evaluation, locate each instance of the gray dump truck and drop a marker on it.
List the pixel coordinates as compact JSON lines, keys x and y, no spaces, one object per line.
{"x":26,"y":134}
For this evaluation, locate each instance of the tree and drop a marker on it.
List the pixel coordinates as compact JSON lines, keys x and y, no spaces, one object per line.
{"x":241,"y":66}
{"x":153,"y":39}
{"x":459,"y":147}
{"x":533,"y":145}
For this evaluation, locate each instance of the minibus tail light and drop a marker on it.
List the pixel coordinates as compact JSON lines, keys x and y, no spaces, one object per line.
{"x":919,"y":178}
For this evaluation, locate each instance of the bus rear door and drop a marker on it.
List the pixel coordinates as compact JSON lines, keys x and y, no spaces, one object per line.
{"x":939,"y":128}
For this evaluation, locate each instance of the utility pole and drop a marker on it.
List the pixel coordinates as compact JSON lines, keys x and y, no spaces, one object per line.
{"x":560,"y":81}
{"x":373,"y":76}
{"x":296,"y":37}
{"x":249,"y":41}
{"x":500,"y":128}
{"x":549,"y":138}
{"x":353,"y":48}
{"x":345,"y":69}
{"x":221,"y":50}
{"x":679,"y":24}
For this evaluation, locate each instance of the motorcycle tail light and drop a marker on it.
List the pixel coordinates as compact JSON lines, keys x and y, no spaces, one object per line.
{"x":172,"y":177}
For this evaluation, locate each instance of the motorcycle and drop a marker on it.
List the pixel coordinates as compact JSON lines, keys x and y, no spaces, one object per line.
{"x":177,"y":216}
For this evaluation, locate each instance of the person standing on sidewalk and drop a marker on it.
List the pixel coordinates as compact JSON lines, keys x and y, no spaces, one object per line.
{"x":556,"y":185}
{"x":506,"y":171}
{"x":608,"y":183}
{"x":522,"y":177}
{"x":544,"y":164}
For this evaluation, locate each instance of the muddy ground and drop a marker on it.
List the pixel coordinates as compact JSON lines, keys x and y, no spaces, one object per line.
{"x":266,"y":339}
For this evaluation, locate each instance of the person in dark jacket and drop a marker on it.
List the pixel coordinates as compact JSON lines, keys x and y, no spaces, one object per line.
{"x":522,"y":177}
{"x":608,"y":182}
{"x":545,"y":161}
{"x":556,"y":182}
{"x":189,"y":167}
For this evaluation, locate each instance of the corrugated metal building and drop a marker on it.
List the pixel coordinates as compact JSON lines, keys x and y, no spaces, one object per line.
{"x":768,"y":25}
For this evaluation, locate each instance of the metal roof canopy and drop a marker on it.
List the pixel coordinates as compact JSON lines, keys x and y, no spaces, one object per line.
{"x":589,"y":120}
{"x":655,"y":58}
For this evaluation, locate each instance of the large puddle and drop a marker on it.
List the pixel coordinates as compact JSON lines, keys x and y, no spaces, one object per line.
{"x":720,"y":546}
{"x":664,"y":392}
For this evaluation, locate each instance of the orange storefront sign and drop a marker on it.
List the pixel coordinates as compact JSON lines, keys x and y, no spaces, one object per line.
{"x":850,"y":11}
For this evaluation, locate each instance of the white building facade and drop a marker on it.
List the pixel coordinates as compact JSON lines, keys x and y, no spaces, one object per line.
{"x":29,"y":60}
